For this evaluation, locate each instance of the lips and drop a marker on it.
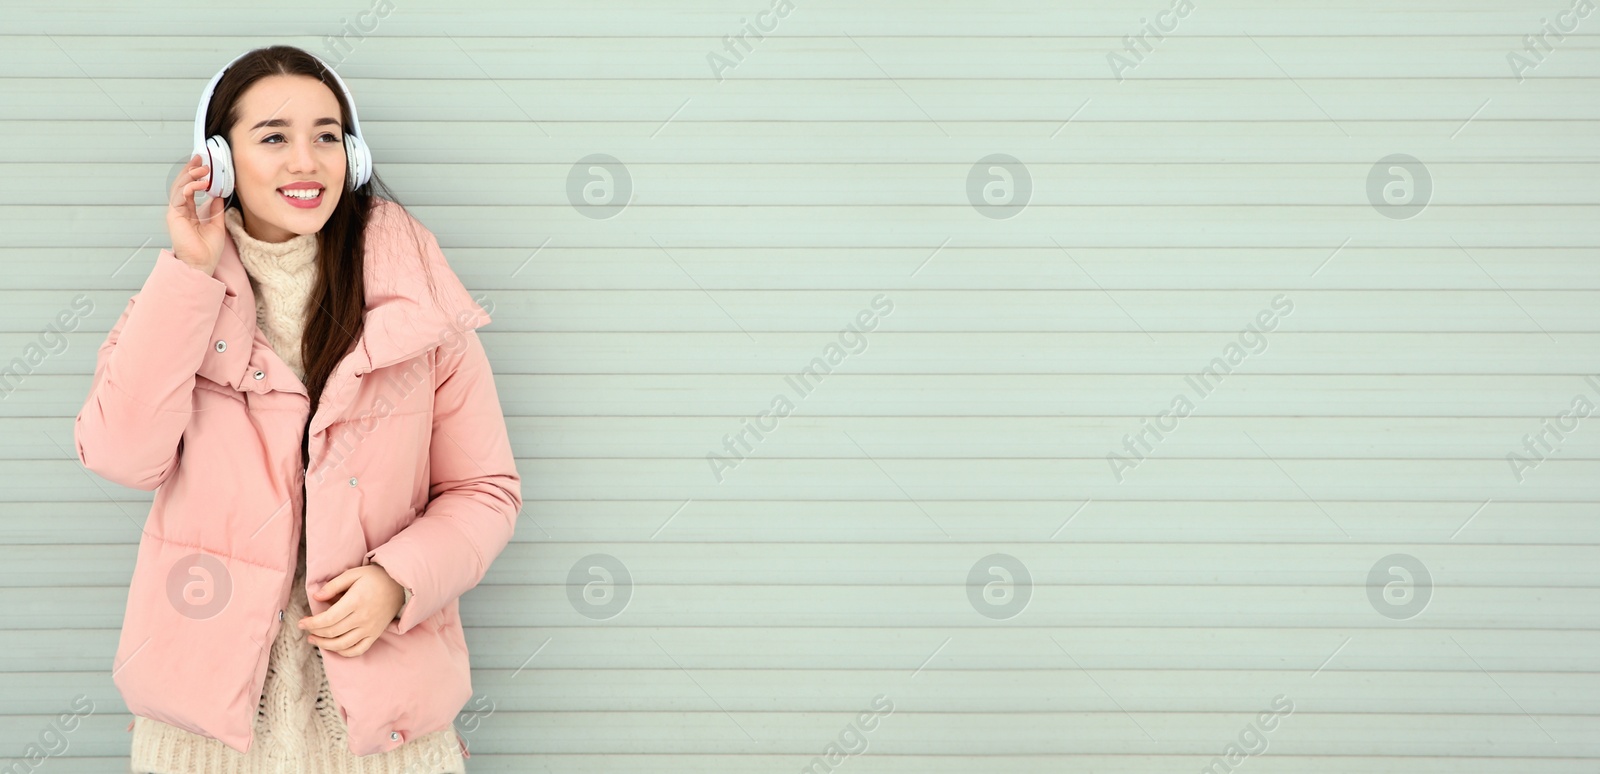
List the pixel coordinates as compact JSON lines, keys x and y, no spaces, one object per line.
{"x":304,"y":204}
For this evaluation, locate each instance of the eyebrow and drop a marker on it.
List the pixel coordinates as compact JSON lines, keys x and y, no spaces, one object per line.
{"x":286,"y":122}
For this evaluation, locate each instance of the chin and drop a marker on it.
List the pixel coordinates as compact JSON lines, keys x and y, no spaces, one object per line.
{"x":307,"y":221}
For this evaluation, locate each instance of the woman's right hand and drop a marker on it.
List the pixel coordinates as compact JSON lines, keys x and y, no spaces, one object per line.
{"x":197,"y":233}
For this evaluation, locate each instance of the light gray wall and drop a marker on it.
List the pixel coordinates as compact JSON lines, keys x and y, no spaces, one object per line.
{"x":1153,"y":618}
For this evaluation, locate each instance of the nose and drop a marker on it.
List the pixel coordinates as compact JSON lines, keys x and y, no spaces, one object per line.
{"x":302,"y":160}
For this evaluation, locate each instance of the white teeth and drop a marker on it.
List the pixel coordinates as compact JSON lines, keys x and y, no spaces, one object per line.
{"x":303,"y":193}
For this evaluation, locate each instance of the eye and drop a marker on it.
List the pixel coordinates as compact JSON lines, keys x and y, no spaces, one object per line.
{"x":325,"y":135}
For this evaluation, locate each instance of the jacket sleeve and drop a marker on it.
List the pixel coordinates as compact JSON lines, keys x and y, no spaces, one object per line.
{"x":475,"y":492}
{"x":141,"y":397}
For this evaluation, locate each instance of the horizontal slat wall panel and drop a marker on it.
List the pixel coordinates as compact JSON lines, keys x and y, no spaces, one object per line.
{"x":1265,"y":98}
{"x":1363,"y":650}
{"x":1172,"y":355}
{"x":652,"y":431}
{"x":1379,"y":55}
{"x":1056,"y":563}
{"x":1502,"y":521}
{"x":714,"y":18}
{"x":889,"y":182}
{"x":619,"y":740}
{"x":848,"y":605}
{"x":687,"y":225}
{"x":1090,"y":138}
{"x":1041,"y":691}
{"x":869,"y":477}
{"x":494,"y":271}
{"x":955,"y":311}
{"x":1168,"y":603}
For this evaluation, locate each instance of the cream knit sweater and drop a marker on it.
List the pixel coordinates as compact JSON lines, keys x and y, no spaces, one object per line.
{"x":298,"y":729}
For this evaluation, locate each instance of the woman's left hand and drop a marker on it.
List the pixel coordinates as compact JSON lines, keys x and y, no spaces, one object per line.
{"x":371,"y":599}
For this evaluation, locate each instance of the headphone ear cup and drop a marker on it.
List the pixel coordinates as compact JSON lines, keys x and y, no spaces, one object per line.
{"x":359,"y":170}
{"x":221,"y":163}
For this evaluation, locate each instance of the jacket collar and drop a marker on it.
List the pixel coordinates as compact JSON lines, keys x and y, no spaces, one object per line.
{"x":402,"y":319}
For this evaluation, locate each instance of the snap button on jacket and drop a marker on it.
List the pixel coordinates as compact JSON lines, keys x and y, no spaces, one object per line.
{"x":215,"y":430}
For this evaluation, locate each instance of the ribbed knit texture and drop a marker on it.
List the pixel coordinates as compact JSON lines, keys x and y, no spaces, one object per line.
{"x":298,"y":729}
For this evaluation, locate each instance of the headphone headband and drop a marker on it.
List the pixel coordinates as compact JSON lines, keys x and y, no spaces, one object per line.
{"x":216,"y":154}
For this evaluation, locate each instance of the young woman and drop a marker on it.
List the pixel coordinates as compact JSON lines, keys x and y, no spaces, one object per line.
{"x":301,"y":383}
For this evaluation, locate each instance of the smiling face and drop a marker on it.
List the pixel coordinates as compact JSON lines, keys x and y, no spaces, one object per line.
{"x":288,"y":140}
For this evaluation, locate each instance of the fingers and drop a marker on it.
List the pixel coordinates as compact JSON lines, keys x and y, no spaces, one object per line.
{"x":340,"y":636}
{"x":357,"y":649}
{"x":336,"y":619}
{"x":187,"y":174}
{"x":343,"y":628}
{"x":183,"y":201}
{"x":201,"y":178}
{"x":181,"y":188}
{"x":337,"y":641}
{"x":213,"y":206}
{"x":195,"y":176}
{"x":183,"y":195}
{"x":349,"y":644}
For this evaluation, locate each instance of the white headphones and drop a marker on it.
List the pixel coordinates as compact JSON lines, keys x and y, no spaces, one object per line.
{"x":215,"y":153}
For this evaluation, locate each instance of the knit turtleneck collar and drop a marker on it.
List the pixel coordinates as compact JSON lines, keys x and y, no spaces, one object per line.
{"x":281,"y":275}
{"x":254,"y":253}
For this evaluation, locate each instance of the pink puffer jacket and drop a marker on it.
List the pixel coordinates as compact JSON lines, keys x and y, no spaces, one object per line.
{"x":410,"y":467}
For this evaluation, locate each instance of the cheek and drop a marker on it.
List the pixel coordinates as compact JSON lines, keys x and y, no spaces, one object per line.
{"x":246,"y":163}
{"x":248,"y":176}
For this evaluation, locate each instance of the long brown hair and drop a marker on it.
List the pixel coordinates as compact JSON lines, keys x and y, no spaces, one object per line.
{"x":335,"y":311}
